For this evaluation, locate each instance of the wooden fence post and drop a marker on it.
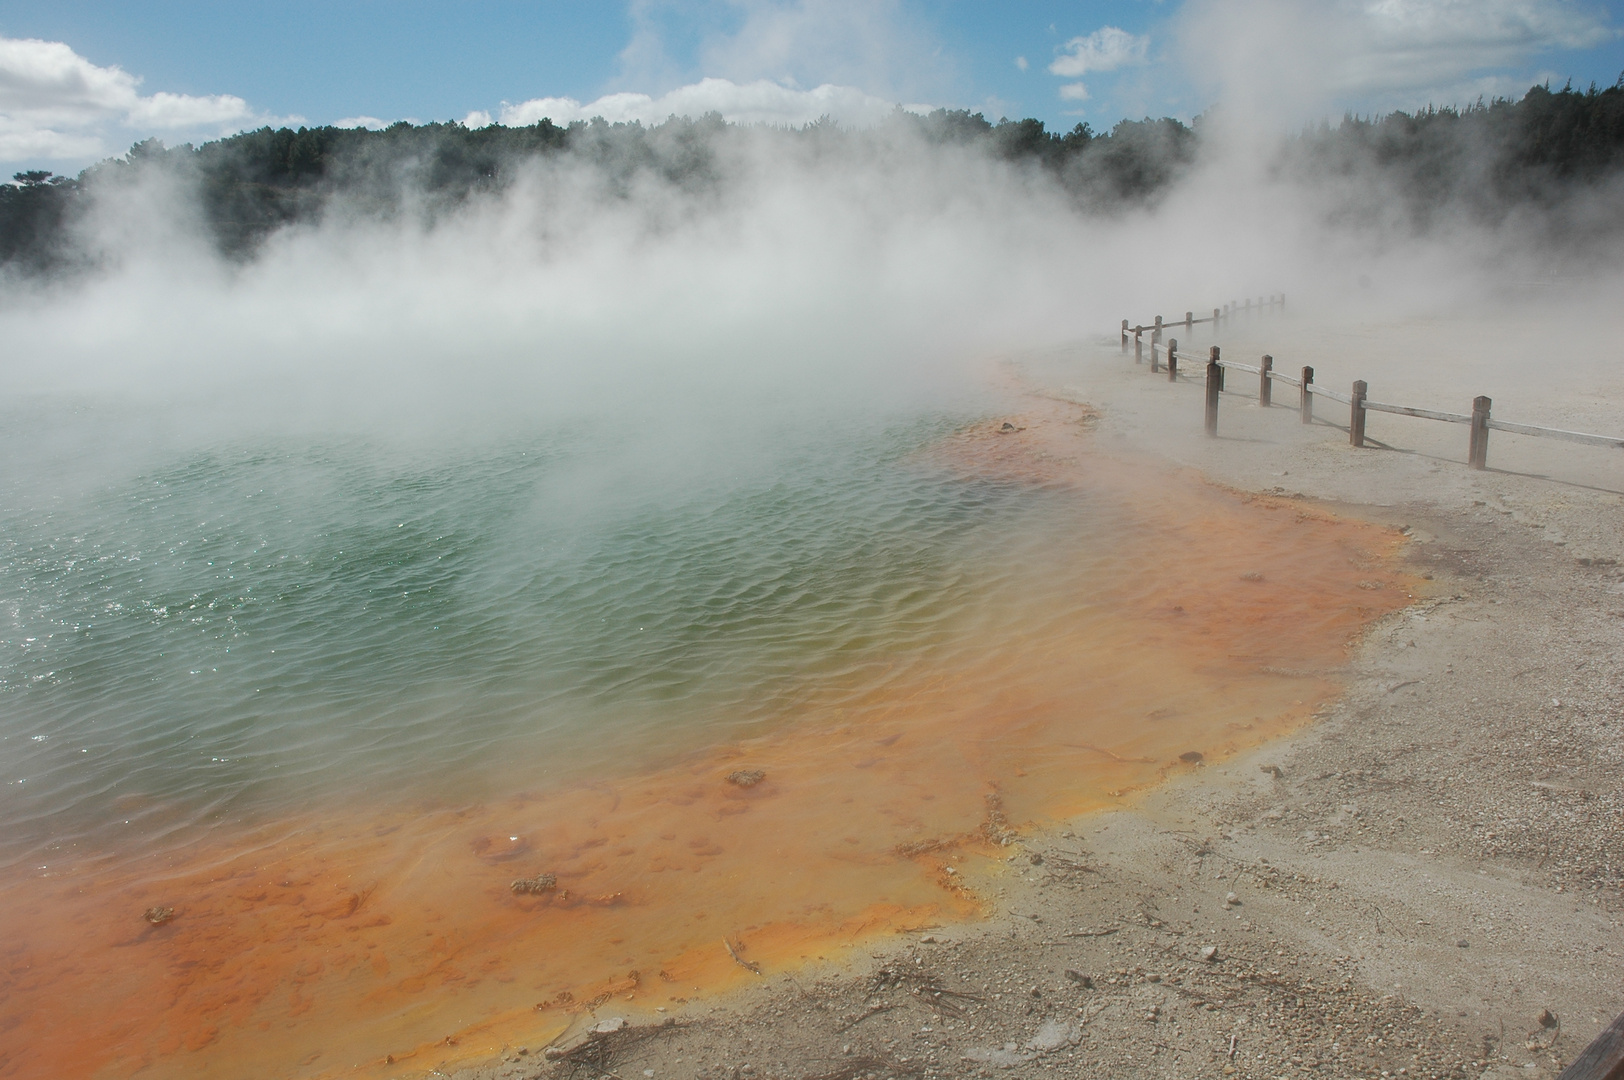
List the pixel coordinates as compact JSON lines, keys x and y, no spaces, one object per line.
{"x":1156,"y":335}
{"x":1306,"y":405}
{"x":1138,"y":346}
{"x":1173,"y":360}
{"x":1156,"y":365}
{"x":1356,"y":420}
{"x":1265,"y":385}
{"x":1477,"y":452}
{"x":1189,"y":323}
{"x":1248,"y":313}
{"x":1124,"y":335}
{"x":1603,"y":1058}
{"x":1214,"y":322}
{"x":1215,"y":379}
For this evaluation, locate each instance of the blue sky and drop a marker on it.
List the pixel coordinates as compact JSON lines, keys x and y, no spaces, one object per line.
{"x":108,"y":74}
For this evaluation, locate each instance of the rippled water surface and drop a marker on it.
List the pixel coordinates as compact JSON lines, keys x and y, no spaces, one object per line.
{"x":320,"y":702}
{"x":253,"y":626}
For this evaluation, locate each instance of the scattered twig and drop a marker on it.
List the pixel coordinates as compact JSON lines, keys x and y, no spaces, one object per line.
{"x":1092,"y":933}
{"x":739,"y":960}
{"x":873,"y":1010}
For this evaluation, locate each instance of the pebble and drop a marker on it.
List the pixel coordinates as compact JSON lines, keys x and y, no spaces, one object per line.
{"x":609,"y":1025}
{"x":1209,"y":953}
{"x":1232,"y":900}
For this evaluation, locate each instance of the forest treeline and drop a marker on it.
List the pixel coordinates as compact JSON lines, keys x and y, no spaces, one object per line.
{"x":251,"y":184}
{"x":1485,"y":161}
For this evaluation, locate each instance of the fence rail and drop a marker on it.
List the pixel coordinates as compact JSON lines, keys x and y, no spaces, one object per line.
{"x":1479,"y":420}
{"x":1230,"y":311}
{"x":1603,"y":1059}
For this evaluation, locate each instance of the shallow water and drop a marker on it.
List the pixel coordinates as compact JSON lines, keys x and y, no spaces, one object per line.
{"x":327,"y":701}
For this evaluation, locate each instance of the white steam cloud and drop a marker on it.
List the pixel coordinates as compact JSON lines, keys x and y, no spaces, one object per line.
{"x":803,"y":274}
{"x":814,"y":275}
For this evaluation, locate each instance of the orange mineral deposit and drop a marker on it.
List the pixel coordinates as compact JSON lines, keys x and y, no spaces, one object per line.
{"x":388,"y":932}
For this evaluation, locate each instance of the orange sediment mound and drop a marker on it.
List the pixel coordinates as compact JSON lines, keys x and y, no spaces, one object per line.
{"x":391,"y":937}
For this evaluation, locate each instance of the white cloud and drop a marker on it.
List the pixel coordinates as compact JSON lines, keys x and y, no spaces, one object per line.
{"x":1074,"y":91}
{"x":1291,"y":60}
{"x":1402,"y":43}
{"x":883,"y":47}
{"x":1020,"y":63}
{"x":373,"y":123}
{"x":477,"y":119}
{"x":1106,"y":49}
{"x":55,"y":104}
{"x":164,"y":110}
{"x":759,"y":102}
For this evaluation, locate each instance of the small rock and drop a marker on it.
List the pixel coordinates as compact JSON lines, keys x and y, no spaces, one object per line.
{"x":1209,"y":953}
{"x":157,"y":916}
{"x":1037,"y":859}
{"x":1547,"y":1019}
{"x":539,"y":884}
{"x":746,"y":777}
{"x":1080,"y":979}
{"x":1232,"y":900}
{"x":1463,"y":944}
{"x":609,"y":1025}
{"x":1192,"y":757}
{"x":1273,"y":770}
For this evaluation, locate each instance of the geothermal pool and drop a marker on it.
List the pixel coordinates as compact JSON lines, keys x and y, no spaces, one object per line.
{"x":315,"y":705}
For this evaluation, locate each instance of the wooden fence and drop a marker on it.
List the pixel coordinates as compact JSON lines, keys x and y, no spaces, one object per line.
{"x":1603,"y":1059}
{"x":1479,"y":421}
{"x":1235,"y":309}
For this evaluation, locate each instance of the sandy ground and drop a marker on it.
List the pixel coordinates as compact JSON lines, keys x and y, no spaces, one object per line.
{"x":1425,"y":883}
